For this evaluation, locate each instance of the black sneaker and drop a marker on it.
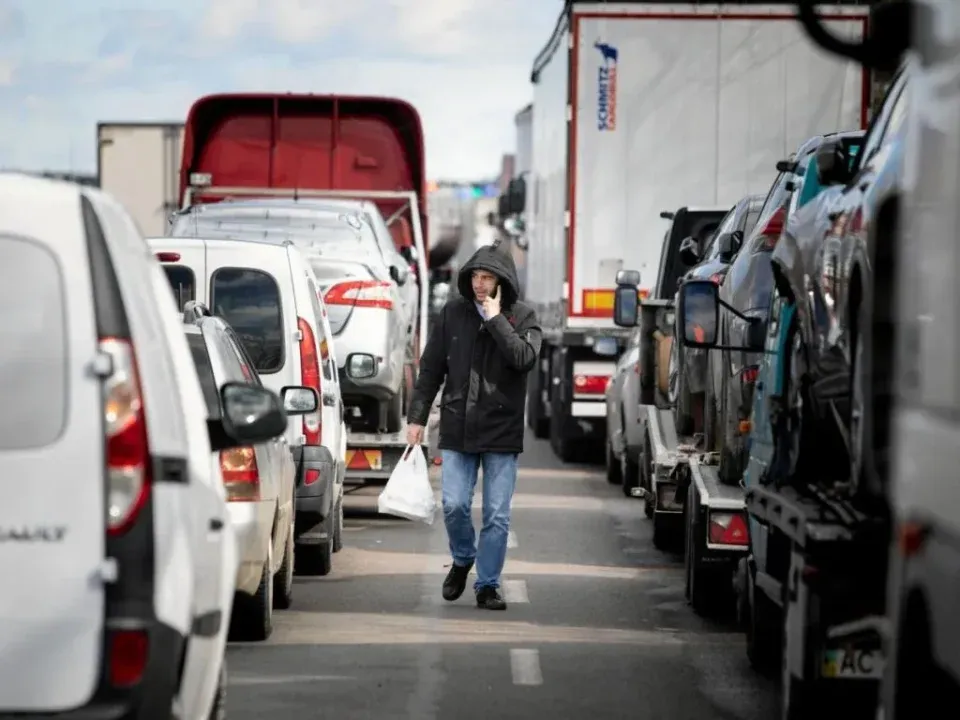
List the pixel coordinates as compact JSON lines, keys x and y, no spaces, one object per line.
{"x":456,"y":582}
{"x":489,"y":598}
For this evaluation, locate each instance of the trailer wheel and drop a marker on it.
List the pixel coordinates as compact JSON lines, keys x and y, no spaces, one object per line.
{"x":646,"y":475}
{"x":704,"y":590}
{"x":762,"y":621}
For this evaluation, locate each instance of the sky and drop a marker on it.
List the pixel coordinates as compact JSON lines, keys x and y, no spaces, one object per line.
{"x":66,"y":65}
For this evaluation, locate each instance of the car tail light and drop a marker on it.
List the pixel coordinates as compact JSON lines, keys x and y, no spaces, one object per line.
{"x":168,"y":257}
{"x":241,"y":476}
{"x":311,"y":476}
{"x":590,"y":384}
{"x":361,"y":293}
{"x":749,"y":374}
{"x":774,"y":226}
{"x":128,"y":657}
{"x":127,"y":448}
{"x":728,"y":529}
{"x":309,"y":376}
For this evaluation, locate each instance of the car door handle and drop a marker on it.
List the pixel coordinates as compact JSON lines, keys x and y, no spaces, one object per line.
{"x":216,"y":524}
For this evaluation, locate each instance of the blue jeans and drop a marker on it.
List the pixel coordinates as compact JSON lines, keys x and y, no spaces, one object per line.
{"x":459,"y":481}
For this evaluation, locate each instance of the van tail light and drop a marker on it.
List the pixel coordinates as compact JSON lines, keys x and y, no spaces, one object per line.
{"x":310,"y":377}
{"x":361,"y":293}
{"x":168,"y":256}
{"x":728,"y":529}
{"x":127,"y":447}
{"x":590,"y":384}
{"x":241,"y":476}
{"x":128,"y":657}
{"x":772,"y":229}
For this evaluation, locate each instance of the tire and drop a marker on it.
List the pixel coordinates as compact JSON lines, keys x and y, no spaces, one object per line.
{"x":395,"y":411}
{"x":613,"y":466}
{"x":338,"y":527}
{"x":317,"y":558}
{"x":763,"y":639}
{"x":629,"y":474}
{"x":218,"y":711}
{"x":679,"y":397}
{"x":535,"y":420}
{"x":283,"y":580}
{"x":704,"y":590}
{"x":661,"y":533}
{"x":252,"y":618}
{"x":646,"y":475}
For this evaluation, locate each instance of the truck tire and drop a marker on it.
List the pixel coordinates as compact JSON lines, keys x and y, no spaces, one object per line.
{"x":252,"y":617}
{"x":661,"y":533}
{"x":535,"y":415}
{"x":317,"y":558}
{"x":704,"y":588}
{"x":630,"y":474}
{"x":613,"y":465}
{"x":646,"y":475}
{"x":763,"y":637}
{"x":679,"y":397}
{"x":395,"y":408}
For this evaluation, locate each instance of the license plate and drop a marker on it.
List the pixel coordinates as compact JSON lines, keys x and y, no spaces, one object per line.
{"x":852,"y":664}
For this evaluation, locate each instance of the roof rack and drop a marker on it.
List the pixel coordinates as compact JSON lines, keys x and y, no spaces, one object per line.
{"x":193,"y":310}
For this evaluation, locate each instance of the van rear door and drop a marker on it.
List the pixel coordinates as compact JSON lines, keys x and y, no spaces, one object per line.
{"x":185,"y":263}
{"x":52,"y":516}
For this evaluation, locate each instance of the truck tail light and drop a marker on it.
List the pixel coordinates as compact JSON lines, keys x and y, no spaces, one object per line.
{"x":590,"y":384}
{"x":728,"y":529}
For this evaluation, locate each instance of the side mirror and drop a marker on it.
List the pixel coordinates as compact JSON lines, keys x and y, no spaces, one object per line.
{"x":729,"y":244}
{"x":361,"y":366}
{"x":399,"y":274}
{"x":698,"y":313}
{"x":628,"y":277}
{"x":251,"y":414}
{"x":517,"y":194}
{"x":626,"y":302}
{"x":833,"y":165}
{"x":689,"y":251}
{"x":299,"y":400}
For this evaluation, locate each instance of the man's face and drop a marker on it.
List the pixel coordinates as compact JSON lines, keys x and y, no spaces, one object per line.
{"x":482,"y":282}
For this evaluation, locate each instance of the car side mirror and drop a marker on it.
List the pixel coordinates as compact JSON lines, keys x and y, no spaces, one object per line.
{"x":698,"y":313}
{"x":689,"y":251}
{"x":729,"y":244}
{"x":299,"y":400}
{"x":833,"y":165}
{"x":251,"y":414}
{"x":399,"y":274}
{"x":626,"y":299}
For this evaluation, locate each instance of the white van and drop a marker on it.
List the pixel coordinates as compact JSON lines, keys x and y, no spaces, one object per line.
{"x":268,"y":293}
{"x":105,"y":447}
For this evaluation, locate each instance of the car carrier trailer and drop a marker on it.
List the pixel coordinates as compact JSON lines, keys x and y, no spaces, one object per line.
{"x":682,"y":492}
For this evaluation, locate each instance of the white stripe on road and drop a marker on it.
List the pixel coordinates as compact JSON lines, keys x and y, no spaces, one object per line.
{"x":283,"y":679}
{"x":515,"y":591}
{"x":525,"y":665}
{"x":511,"y":539}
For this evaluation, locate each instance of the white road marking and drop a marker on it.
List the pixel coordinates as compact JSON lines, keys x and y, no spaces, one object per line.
{"x":515,"y":591}
{"x":283,"y":679}
{"x":525,"y":666}
{"x":511,"y":539}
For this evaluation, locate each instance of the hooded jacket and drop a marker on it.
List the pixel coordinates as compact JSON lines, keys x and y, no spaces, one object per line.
{"x":482,"y":365}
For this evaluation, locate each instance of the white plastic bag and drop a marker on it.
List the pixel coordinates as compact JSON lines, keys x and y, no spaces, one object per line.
{"x":408,"y":493}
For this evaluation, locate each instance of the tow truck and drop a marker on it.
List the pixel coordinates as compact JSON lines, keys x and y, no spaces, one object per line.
{"x":679,"y":484}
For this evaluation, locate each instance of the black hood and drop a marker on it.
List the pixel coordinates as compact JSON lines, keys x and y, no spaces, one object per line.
{"x":492,"y":259}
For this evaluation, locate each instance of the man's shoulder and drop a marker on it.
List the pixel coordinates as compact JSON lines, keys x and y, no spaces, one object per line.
{"x":520,"y":312}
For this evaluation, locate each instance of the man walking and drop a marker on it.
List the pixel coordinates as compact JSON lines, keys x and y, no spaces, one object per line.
{"x":481,"y":348}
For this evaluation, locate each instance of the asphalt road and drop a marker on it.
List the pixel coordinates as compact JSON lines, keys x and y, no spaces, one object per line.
{"x":596,"y":625}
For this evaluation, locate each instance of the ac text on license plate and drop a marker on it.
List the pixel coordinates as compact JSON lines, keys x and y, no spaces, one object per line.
{"x":852,"y":664}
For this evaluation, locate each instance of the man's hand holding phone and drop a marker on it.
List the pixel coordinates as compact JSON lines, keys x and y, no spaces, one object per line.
{"x":491,"y":304}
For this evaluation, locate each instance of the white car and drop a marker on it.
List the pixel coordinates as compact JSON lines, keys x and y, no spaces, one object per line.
{"x":268,"y":294}
{"x":118,"y":556}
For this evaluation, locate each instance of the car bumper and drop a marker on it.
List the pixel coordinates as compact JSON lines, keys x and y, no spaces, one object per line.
{"x":314,"y":499}
{"x":252,"y":523}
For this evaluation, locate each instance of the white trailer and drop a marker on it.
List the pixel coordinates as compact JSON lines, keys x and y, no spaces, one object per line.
{"x":641,"y":107}
{"x":139,"y":164}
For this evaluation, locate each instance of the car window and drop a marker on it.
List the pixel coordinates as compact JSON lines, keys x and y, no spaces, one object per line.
{"x":201,"y":359}
{"x":712,"y":249}
{"x":750,"y":220}
{"x":810,"y":185}
{"x":182,"y":282}
{"x":876,"y":131}
{"x":249,"y":300}
{"x":33,"y":346}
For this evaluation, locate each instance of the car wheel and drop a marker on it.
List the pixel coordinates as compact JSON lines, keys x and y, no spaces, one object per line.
{"x":338,"y":527}
{"x":395,"y":412}
{"x":252,"y":618}
{"x":317,"y":558}
{"x":614,"y":474}
{"x":283,"y":580}
{"x":219,"y":709}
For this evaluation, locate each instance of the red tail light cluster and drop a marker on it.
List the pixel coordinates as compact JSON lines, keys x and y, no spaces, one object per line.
{"x":241,"y":476}
{"x":127,"y":448}
{"x":361,"y":293}
{"x":773,"y":227}
{"x":310,"y":377}
{"x":749,"y":374}
{"x":590,"y":384}
{"x":728,"y":529}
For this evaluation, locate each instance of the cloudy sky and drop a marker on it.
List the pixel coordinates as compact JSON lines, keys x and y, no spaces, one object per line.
{"x":67,"y":64}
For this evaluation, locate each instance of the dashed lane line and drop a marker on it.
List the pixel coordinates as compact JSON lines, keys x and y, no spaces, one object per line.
{"x":511,"y":539}
{"x":515,"y":591}
{"x":525,"y":666}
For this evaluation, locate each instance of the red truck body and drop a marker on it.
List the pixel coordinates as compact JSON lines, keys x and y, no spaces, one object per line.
{"x":309,"y":142}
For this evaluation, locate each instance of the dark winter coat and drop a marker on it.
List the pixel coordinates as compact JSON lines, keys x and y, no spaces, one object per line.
{"x":484,"y":364}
